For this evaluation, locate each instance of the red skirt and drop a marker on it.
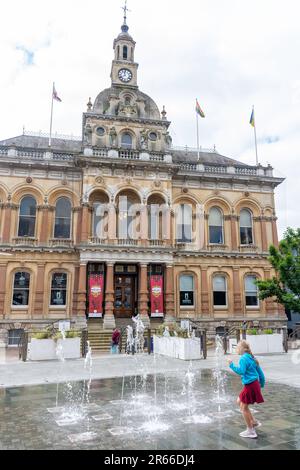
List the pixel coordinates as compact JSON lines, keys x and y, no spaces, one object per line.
{"x":251,"y":394}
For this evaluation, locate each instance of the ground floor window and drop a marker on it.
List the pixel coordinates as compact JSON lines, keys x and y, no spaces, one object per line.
{"x":220,"y":291}
{"x":187,"y":291}
{"x":14,"y":337}
{"x":59,"y":290}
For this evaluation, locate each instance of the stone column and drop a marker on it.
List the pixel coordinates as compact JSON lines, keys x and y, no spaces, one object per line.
{"x":275,"y":232}
{"x":109,"y":318}
{"x":77,"y":213}
{"x":237,"y":297}
{"x":3,"y":269}
{"x":46,"y":225}
{"x":234,"y":232}
{"x":264,"y":235}
{"x":170,"y":295}
{"x":7,"y":216}
{"x":144,"y":295}
{"x":85,"y":223}
{"x":204,"y":293}
{"x":82,"y":294}
{"x":112,"y":223}
{"x":38,"y":309}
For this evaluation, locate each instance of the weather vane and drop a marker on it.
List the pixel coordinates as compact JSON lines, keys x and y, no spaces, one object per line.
{"x":125,"y":9}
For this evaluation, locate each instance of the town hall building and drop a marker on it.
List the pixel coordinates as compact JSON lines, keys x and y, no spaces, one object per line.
{"x":123,"y":222}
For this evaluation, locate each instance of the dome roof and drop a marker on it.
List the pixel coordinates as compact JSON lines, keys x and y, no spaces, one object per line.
{"x":146,"y":107}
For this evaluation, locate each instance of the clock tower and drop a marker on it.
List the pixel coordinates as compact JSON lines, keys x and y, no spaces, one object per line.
{"x":124,"y":68}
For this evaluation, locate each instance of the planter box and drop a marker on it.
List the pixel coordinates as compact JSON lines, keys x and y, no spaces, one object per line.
{"x":45,"y":349}
{"x":70,"y":347}
{"x":186,"y":349}
{"x":264,"y":344}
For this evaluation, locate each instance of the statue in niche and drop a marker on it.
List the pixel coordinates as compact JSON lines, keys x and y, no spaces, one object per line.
{"x":168,"y":139}
{"x":88,"y":131}
{"x":144,"y":139}
{"x":113,"y":137}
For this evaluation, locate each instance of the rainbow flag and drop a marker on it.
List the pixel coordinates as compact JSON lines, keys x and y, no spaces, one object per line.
{"x":252,"y":119}
{"x":199,"y":110}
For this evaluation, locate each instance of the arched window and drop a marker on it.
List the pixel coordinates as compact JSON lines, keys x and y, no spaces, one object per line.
{"x":246,"y":227}
{"x":128,"y":215}
{"x":125,"y":52}
{"x":220,"y":291}
{"x":251,"y":291}
{"x":184,"y":222}
{"x":63,"y":218}
{"x":187,"y":290}
{"x":126,"y":141}
{"x":216,"y":226}
{"x":100,"y":216}
{"x":156,"y":211}
{"x":59,"y":290}
{"x":27,"y":217}
{"x":21,"y":289}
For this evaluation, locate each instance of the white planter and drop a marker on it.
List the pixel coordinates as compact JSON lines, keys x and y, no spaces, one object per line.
{"x":70,"y":348}
{"x":186,"y":349}
{"x":45,"y":349}
{"x":264,"y":344}
{"x":42,"y":350}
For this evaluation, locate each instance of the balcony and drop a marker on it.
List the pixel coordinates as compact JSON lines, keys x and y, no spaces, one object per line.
{"x":25,"y":241}
{"x":217,"y":248}
{"x":61,"y":243}
{"x":249,"y":249}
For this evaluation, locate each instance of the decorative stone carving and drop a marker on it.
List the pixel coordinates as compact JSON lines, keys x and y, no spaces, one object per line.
{"x":168,"y":139}
{"x":88,"y":131}
{"x":127,"y":110}
{"x":99,"y":180}
{"x":113,"y":137}
{"x":144,"y":139}
{"x":29,"y":180}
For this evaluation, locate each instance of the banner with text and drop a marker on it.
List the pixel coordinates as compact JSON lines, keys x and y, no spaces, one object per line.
{"x":96,"y":283}
{"x":157,"y":296}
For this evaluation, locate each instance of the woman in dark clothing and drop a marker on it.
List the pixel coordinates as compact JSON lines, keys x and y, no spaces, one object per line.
{"x":115,"y":341}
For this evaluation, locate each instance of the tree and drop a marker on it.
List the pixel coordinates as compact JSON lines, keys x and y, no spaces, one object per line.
{"x":285,"y":287}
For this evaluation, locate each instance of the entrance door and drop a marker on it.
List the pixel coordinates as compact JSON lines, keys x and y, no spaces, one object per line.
{"x":124,"y":296}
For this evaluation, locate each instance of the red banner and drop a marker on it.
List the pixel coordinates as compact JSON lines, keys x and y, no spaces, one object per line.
{"x":96,"y":283}
{"x":157,"y":296}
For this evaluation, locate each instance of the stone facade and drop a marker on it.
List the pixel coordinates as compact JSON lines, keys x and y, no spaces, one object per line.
{"x":126,"y":150}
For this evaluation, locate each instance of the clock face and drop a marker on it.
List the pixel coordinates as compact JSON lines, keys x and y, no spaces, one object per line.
{"x":125,"y":75}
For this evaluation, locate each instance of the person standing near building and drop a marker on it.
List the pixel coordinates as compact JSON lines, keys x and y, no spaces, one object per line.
{"x":115,"y":341}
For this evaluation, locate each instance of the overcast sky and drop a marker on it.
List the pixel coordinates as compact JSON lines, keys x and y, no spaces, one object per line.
{"x":230,"y":54}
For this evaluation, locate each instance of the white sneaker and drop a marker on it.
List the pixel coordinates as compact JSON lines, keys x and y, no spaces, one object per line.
{"x":257,"y":424}
{"x":250,"y":433}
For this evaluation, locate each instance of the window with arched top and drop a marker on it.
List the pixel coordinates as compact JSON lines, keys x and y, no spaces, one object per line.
{"x":220,"y":291}
{"x":246,"y":227}
{"x":156,"y":206}
{"x":21,"y":289}
{"x":125,"y":52}
{"x":100,"y":216}
{"x":251,"y":291}
{"x":184,"y":223}
{"x":216,"y":226}
{"x":126,"y":141}
{"x":27,"y":217}
{"x":128,"y":215}
{"x":58,"y":296}
{"x":187,"y":290}
{"x":63,"y":211}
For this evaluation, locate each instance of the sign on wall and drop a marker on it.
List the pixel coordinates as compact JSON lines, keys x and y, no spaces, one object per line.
{"x":96,"y":283}
{"x":156,"y":296}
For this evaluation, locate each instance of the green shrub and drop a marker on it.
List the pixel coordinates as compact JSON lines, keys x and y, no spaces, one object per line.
{"x":174,"y":330}
{"x":252,"y":332}
{"x":73,"y":334}
{"x":268,"y":332}
{"x":42,"y":335}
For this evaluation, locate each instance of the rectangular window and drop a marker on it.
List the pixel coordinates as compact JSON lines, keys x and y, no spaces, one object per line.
{"x":14,"y":337}
{"x":216,"y":235}
{"x":246,"y":236}
{"x":26,"y":226}
{"x":220,"y":291}
{"x":251,"y":292}
{"x":186,"y":291}
{"x":59,"y":290}
{"x":184,"y":223}
{"x":21,"y":290}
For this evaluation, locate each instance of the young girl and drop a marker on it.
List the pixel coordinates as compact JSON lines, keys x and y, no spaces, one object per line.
{"x":253,"y":380}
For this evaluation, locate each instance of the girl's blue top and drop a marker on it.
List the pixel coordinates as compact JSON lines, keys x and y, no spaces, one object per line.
{"x":249,"y":370}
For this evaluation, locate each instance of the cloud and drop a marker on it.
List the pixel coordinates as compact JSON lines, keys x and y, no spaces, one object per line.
{"x":230,"y":54}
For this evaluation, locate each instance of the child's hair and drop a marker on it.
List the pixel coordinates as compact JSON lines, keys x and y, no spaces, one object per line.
{"x":244,"y":347}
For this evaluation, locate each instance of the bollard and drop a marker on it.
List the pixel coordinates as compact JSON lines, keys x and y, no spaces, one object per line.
{"x":25,"y":347}
{"x":149,"y":341}
{"x":204,"y":344}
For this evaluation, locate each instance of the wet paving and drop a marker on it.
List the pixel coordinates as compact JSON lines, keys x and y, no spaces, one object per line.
{"x":173,"y":411}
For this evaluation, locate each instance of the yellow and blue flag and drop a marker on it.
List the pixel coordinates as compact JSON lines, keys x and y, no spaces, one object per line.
{"x":252,"y":119}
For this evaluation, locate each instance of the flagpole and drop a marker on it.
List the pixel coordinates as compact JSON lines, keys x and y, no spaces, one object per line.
{"x":51,"y":118}
{"x":255,"y":137}
{"x":198,"y":141}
